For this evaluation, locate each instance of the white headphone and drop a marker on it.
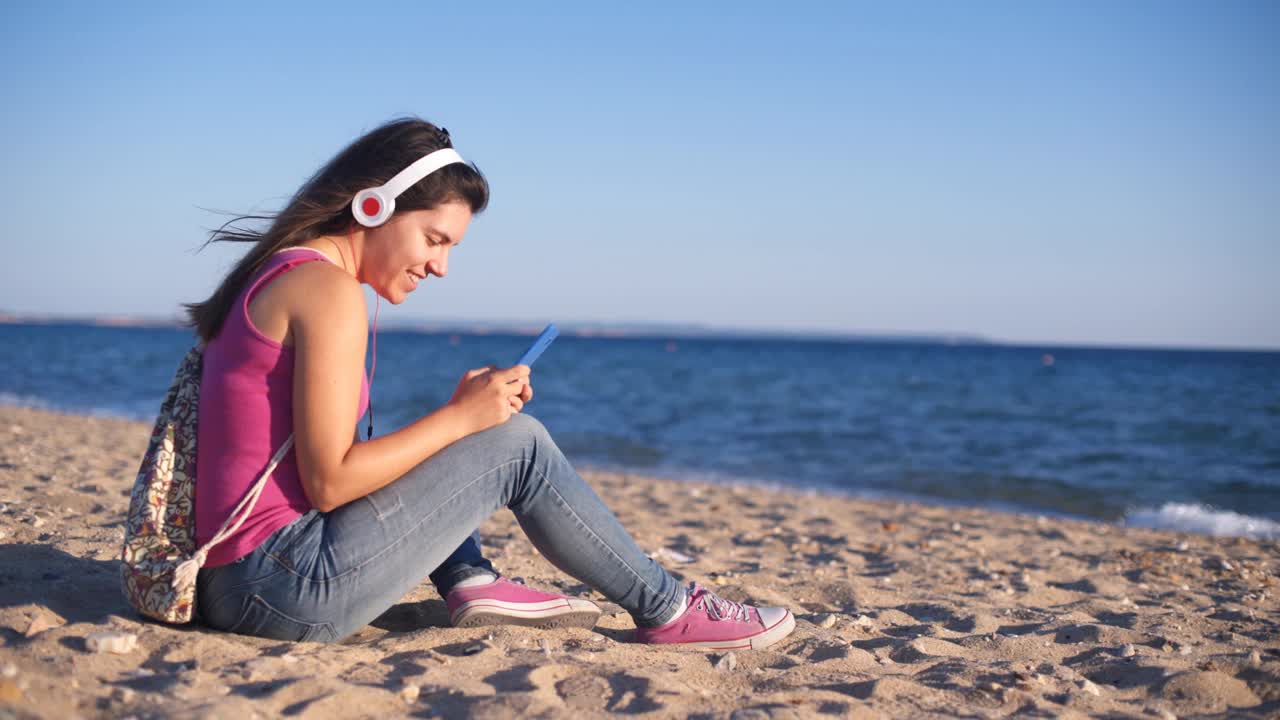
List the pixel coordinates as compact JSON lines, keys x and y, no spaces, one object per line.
{"x":373,"y":206}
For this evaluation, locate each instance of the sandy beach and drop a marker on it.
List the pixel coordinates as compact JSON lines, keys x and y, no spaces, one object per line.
{"x":903,"y":610}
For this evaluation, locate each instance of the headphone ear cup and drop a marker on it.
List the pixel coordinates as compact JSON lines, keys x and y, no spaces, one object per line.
{"x":371,"y":207}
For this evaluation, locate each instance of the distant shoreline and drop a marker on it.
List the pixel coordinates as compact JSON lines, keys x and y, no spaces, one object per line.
{"x":659,"y":331}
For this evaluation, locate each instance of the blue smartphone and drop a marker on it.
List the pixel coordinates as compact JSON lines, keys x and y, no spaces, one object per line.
{"x":549,"y":333}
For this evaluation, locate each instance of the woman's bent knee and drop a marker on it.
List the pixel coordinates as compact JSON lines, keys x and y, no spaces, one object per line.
{"x":523,"y":431}
{"x":527,"y":423}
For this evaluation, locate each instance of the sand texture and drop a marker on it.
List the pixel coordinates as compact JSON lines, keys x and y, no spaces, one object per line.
{"x":903,"y":610}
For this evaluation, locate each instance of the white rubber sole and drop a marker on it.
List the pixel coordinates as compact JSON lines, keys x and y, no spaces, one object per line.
{"x":568,"y":612}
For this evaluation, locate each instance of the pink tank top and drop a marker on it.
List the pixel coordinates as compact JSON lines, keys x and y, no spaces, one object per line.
{"x":246,"y":412}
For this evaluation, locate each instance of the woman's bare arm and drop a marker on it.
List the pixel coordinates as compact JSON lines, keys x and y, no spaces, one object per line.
{"x":328,"y":324}
{"x":329,"y":329}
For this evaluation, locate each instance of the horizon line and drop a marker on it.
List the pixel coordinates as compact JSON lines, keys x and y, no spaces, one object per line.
{"x":641,"y":329}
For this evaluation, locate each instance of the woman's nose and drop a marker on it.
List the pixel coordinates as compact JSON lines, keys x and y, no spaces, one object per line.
{"x":439,"y":268}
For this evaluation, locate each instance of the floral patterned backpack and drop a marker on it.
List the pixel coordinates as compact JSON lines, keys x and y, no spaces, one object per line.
{"x":160,"y":561}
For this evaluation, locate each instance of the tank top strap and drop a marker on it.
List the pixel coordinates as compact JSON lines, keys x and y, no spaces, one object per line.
{"x":280,"y":263}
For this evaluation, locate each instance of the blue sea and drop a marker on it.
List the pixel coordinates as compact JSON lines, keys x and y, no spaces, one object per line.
{"x":1179,"y":439}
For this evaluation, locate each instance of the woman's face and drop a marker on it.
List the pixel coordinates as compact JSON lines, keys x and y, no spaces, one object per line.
{"x":411,"y":246}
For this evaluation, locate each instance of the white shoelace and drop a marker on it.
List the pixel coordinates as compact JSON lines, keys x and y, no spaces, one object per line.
{"x":719,"y":608}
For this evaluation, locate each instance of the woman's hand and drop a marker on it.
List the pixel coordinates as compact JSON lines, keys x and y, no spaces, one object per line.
{"x":488,"y":396}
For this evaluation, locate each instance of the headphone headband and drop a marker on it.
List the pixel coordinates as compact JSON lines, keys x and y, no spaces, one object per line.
{"x":374,"y":206}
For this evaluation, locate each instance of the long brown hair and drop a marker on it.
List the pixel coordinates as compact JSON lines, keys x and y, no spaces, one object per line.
{"x":322,"y":206}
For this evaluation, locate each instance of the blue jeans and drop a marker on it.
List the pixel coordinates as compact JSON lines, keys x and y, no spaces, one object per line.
{"x":326,"y":575}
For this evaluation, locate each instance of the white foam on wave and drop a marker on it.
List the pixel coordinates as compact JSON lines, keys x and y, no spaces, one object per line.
{"x":1204,"y":520}
{"x":24,"y":401}
{"x":36,"y":403}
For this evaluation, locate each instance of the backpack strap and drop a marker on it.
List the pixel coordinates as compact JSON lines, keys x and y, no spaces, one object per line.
{"x":184,"y":577}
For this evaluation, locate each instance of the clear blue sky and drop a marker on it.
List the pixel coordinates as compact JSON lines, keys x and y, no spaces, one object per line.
{"x":1084,"y":172}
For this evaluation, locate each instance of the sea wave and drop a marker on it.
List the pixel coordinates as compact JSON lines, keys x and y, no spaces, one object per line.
{"x":116,"y":411}
{"x":25,"y":401}
{"x":1204,"y":520}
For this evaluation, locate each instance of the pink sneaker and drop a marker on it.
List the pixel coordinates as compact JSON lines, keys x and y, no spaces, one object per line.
{"x":713,"y":623}
{"x":503,"y":602}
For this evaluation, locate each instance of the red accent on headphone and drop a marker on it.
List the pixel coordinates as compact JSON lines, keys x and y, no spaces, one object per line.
{"x":370,"y":206}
